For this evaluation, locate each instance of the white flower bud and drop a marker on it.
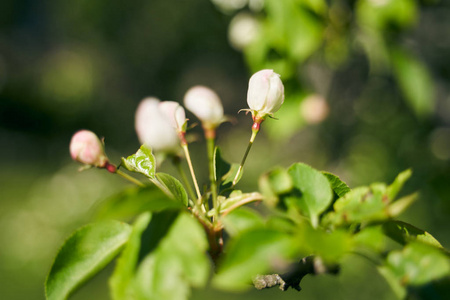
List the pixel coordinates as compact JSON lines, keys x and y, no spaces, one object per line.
{"x":205,"y":105}
{"x":175,"y":114}
{"x":86,"y":148}
{"x":265,"y":93}
{"x":153,"y":127}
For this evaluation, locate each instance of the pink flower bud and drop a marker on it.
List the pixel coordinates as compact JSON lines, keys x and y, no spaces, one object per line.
{"x":175,"y":114}
{"x":205,"y":105}
{"x":265,"y":93}
{"x":86,"y":148}
{"x":154,"y":128}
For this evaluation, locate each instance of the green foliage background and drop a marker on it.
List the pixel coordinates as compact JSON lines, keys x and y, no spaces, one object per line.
{"x":381,"y":66}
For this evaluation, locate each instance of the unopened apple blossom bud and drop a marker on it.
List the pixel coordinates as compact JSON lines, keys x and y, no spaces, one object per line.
{"x":86,"y":148}
{"x":154,"y":128}
{"x":175,"y":114}
{"x":205,"y":105}
{"x":265,"y":94}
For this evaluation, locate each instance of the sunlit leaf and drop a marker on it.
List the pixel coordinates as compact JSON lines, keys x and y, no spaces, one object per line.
{"x":315,"y":191}
{"x":142,"y":162}
{"x":404,"y":233}
{"x":337,"y":185}
{"x":397,"y":185}
{"x":134,"y":201}
{"x":127,"y":262}
{"x":253,"y":252}
{"x":178,"y":262}
{"x":174,"y":186}
{"x":418,"y":264}
{"x":84,"y":254}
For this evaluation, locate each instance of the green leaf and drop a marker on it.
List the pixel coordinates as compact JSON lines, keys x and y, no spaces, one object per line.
{"x":337,"y":185}
{"x":371,"y":237}
{"x":85,"y":253}
{"x":397,"y":185}
{"x":174,"y":186}
{"x":134,"y":201}
{"x":142,"y":162}
{"x":415,"y":82}
{"x":241,"y":220}
{"x":404,"y":233}
{"x":316,"y":194}
{"x":221,"y":167}
{"x":253,"y":252}
{"x":177,"y":263}
{"x":418,"y":264}
{"x":127,"y":262}
{"x":362,"y":204}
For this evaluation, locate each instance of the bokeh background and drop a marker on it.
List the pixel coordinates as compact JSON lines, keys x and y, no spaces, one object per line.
{"x":367,"y":96}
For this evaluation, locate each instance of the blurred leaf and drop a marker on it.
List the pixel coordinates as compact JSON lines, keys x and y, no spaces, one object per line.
{"x":174,"y":186}
{"x":142,"y":162}
{"x":316,"y":194}
{"x":274,"y":183}
{"x":293,"y":29}
{"x":397,"y":207}
{"x":404,"y":233}
{"x":330,"y":246}
{"x":123,"y":274}
{"x":177,"y":263}
{"x":397,"y":185}
{"x":397,"y":287}
{"x":253,"y":252}
{"x":418,"y":264}
{"x":241,"y":220}
{"x":337,"y":185}
{"x":371,"y":237}
{"x":362,"y":204}
{"x":134,"y":201}
{"x":83,"y":254}
{"x":415,"y":82}
{"x":381,"y":16}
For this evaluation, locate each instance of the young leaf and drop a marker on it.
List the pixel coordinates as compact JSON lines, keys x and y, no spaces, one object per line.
{"x":241,"y":220}
{"x":236,"y":199}
{"x":142,"y":162}
{"x":251,"y":253}
{"x":84,"y":254}
{"x":337,"y":185}
{"x":418,"y":264}
{"x":404,"y":233}
{"x":221,"y":167}
{"x":177,"y":263}
{"x":174,"y":186}
{"x":316,"y":194}
{"x":396,"y":186}
{"x":134,"y":201}
{"x":127,"y":262}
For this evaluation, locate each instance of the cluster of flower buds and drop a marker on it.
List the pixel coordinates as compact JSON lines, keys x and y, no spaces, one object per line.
{"x":161,"y":125}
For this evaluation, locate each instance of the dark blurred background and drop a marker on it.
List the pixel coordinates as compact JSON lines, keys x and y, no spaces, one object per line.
{"x":367,"y":96}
